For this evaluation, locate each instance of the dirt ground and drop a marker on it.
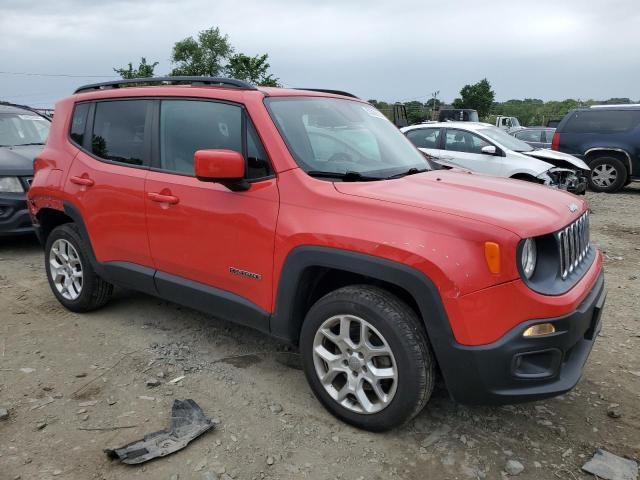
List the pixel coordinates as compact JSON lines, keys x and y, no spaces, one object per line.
{"x":269,"y":425}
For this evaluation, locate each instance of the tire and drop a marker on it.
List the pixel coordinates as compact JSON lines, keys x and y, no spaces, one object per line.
{"x":608,"y":174}
{"x":66,"y":254}
{"x":390,"y":325}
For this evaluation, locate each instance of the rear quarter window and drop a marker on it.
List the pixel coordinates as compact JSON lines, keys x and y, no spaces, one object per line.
{"x":78,"y":123}
{"x":602,"y":121}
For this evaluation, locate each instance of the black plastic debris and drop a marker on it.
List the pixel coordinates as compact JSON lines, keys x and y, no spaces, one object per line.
{"x":188,"y":422}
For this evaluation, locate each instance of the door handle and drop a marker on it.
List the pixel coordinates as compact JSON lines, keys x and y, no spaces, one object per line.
{"x":160,"y":198}
{"x":83,"y":181}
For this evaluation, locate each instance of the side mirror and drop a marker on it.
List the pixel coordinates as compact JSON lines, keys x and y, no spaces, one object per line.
{"x":488,"y":150}
{"x":221,"y":166}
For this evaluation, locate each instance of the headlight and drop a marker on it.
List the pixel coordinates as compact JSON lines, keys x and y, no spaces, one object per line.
{"x":528,"y":258}
{"x":10,"y":185}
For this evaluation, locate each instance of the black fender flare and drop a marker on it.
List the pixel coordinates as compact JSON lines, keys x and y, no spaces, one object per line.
{"x":286,"y":321}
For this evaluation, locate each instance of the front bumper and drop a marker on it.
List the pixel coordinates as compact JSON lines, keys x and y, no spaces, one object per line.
{"x":14,"y":215}
{"x":516,"y":369}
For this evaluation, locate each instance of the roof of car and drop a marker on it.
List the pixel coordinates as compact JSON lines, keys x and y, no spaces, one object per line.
{"x":463,"y":125}
{"x":6,"y":107}
{"x":623,"y":106}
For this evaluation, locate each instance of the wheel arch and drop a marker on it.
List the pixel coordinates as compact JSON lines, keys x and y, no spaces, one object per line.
{"x":310,"y":272}
{"x":48,"y":219}
{"x":619,"y":153}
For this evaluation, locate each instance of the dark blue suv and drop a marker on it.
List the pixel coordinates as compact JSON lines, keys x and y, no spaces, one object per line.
{"x":607,"y":138}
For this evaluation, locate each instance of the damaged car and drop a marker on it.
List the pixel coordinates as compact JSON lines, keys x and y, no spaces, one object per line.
{"x":483,"y":148}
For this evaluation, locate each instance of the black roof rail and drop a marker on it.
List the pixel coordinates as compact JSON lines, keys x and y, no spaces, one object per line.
{"x":195,"y":81}
{"x":326,"y":90}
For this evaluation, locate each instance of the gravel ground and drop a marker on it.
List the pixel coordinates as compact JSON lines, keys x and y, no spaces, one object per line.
{"x":63,"y":374}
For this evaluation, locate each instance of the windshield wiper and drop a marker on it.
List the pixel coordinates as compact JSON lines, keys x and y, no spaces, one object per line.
{"x":27,"y":144}
{"x":345,"y":177}
{"x":411,"y":171}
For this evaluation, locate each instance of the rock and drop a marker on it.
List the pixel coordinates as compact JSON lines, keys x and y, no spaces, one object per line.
{"x":275,"y":408}
{"x":152,"y":382}
{"x":567,"y":452}
{"x":144,"y":397}
{"x":607,"y":466}
{"x":614,"y":412}
{"x":537,"y":464}
{"x":57,"y":472}
{"x":226,"y":476}
{"x":27,"y":370}
{"x":335,"y":438}
{"x":514,"y":467}
{"x":57,"y":396}
{"x":175,"y":476}
{"x":90,"y":403}
{"x":81,"y":375}
{"x":4,"y":414}
{"x":270,"y":460}
{"x":84,"y":418}
{"x":41,"y":425}
{"x":111,"y":401}
{"x":81,"y":411}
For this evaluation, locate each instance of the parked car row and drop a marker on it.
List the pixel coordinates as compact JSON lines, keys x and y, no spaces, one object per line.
{"x":309,"y":216}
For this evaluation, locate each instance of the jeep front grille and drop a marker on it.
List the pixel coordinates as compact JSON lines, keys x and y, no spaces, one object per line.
{"x":573,"y":242}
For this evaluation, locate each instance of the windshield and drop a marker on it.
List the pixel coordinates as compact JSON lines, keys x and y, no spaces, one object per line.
{"x":342,"y":136}
{"x":504,"y":139}
{"x":23,"y":129}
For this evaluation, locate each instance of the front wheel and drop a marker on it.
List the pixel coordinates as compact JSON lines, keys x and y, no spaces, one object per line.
{"x":367,"y":358}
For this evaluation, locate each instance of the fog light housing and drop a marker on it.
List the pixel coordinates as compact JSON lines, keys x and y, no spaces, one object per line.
{"x":539,"y":330}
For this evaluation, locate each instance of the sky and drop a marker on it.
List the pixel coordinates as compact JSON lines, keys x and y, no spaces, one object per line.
{"x":386,"y":50}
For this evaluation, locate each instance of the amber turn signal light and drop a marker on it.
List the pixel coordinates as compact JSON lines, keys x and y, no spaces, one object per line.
{"x":539,"y":330}
{"x":492,"y":256}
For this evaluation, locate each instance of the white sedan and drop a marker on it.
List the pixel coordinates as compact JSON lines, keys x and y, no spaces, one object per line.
{"x":483,"y":148}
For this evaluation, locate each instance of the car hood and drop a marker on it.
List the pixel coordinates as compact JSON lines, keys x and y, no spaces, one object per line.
{"x":523,"y":208}
{"x":18,"y":160}
{"x":558,"y":159}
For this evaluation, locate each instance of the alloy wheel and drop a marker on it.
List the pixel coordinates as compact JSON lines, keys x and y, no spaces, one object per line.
{"x":604,"y":175}
{"x":66,"y":269}
{"x":355,"y":364}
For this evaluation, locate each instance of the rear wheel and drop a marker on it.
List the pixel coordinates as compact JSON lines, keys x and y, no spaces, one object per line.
{"x":71,"y":276}
{"x":367,"y":357}
{"x":608,"y":174}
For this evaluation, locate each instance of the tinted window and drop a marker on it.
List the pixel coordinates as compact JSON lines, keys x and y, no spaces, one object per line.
{"x":187,"y":126}
{"x":467,"y":142}
{"x":424,"y":137}
{"x":78,"y":122}
{"x":529,"y":135}
{"x":602,"y":121}
{"x":118,"y":131}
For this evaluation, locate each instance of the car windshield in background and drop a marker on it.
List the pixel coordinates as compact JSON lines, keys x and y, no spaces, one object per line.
{"x":504,"y":139}
{"x":343,"y":137}
{"x":23,"y":129}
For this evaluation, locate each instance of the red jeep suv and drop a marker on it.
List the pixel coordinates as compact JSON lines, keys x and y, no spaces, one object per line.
{"x":308,"y":216}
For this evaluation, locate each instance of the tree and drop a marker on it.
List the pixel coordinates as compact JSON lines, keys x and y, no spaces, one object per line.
{"x":144,"y":70}
{"x":205,"y":56}
{"x":478,"y":96}
{"x":251,"y":69}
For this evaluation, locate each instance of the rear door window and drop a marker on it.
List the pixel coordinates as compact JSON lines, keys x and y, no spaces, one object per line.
{"x":119,"y":131}
{"x":602,"y":121}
